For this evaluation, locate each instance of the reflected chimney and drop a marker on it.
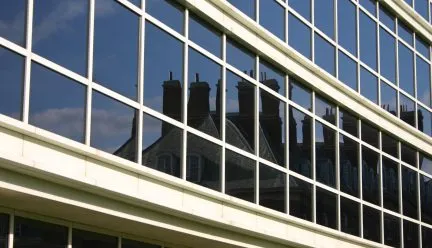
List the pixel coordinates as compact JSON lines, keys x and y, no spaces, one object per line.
{"x":246,"y":98}
{"x":172,"y":96}
{"x":198,"y":106}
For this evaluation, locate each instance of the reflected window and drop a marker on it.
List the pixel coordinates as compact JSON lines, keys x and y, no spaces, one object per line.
{"x":387,"y":18}
{"x":299,"y":36}
{"x":57,"y":103}
{"x":113,"y":127}
{"x":389,"y":145}
{"x":347,"y":26}
{"x":163,"y":77}
{"x":406,"y":69}
{"x":391,"y":230}
{"x":325,"y":55}
{"x":299,"y":94}
{"x":272,"y":77}
{"x":116,"y":56}
{"x":325,"y":153}
{"x":86,"y":239}
{"x":389,"y":98}
{"x":11,"y":83}
{"x":168,"y":12}
{"x":425,"y":163}
{"x":34,"y":233}
{"x":13,"y":20}
{"x":426,"y":199}
{"x":272,"y":17}
{"x":388,"y":55}
{"x":272,"y":188}
{"x":300,"y":146}
{"x":350,"y":216}
{"x":4,"y":230}
{"x":65,"y":43}
{"x":205,"y":35}
{"x":370,"y":176}
{"x":324,"y":16}
{"x":368,"y":85}
{"x":424,"y":120}
{"x":368,"y":40}
{"x":239,"y":176}
{"x":347,"y":71}
{"x":422,"y":46}
{"x":240,"y":57}
{"x":409,"y":192}
{"x":326,"y":208}
{"x":127,"y":243}
{"x":303,"y":7}
{"x":300,"y":196}
{"x":410,"y":234}
{"x":426,"y":237}
{"x":408,"y":154}
{"x":390,"y":184}
{"x":161,"y":144}
{"x":349,"y":165}
{"x":407,"y":110}
{"x":369,"y":5}
{"x":204,"y":103}
{"x":405,"y":32}
{"x":325,"y":109}
{"x":348,"y":122}
{"x":371,"y":224}
{"x":245,"y":6}
{"x":423,"y":77}
{"x":240,"y":113}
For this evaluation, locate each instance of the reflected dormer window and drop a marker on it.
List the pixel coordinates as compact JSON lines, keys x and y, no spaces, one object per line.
{"x":164,"y":163}
{"x":194,"y":168}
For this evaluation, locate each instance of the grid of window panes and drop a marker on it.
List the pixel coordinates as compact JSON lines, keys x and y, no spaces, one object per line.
{"x":422,"y":7}
{"x":361,"y":43}
{"x":156,"y":84}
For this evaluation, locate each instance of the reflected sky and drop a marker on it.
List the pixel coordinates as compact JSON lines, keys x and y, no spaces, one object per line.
{"x":388,"y":55}
{"x":299,"y":36}
{"x":324,"y":16}
{"x":325,"y":55}
{"x":168,"y":12}
{"x":347,"y":26}
{"x":272,"y":17}
{"x":406,"y":69}
{"x":205,"y":35}
{"x":13,"y":20}
{"x":11,"y":81}
{"x":347,"y":71}
{"x":368,"y":39}
{"x":368,"y":85}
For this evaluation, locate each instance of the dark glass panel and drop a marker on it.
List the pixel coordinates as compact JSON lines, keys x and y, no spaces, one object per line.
{"x":350,"y":216}
{"x":299,"y":94}
{"x":426,"y":199}
{"x":303,"y":7}
{"x":240,"y":57}
{"x":407,"y":110}
{"x":204,"y":103}
{"x":424,"y":120}
{"x":388,"y":55}
{"x":324,"y":16}
{"x":325,"y":154}
{"x":326,"y":208}
{"x":300,"y":146}
{"x":388,"y":98}
{"x":127,"y":243}
{"x":325,"y":109}
{"x":347,"y":71}
{"x":240,"y":113}
{"x":368,"y":85}
{"x":205,"y":35}
{"x":168,"y":12}
{"x":299,"y":36}
{"x":406,"y":69}
{"x":409,"y":192}
{"x":405,"y":32}
{"x":115,"y":64}
{"x":4,"y":230}
{"x":371,"y":224}
{"x":325,"y":55}
{"x":136,"y":2}
{"x":389,"y":145}
{"x":387,"y":18}
{"x":272,"y":188}
{"x":272,"y":128}
{"x":368,"y":40}
{"x":392,"y":231}
{"x":421,"y":6}
{"x":86,"y":239}
{"x":347,"y":26}
{"x":60,"y":32}
{"x":369,"y":5}
{"x":426,"y":237}
{"x":349,"y":165}
{"x":13,"y":21}
{"x":369,"y":134}
{"x":161,"y":144}
{"x":370,"y":176}
{"x":239,"y":176}
{"x":300,"y":196}
{"x":203,"y":162}
{"x":57,"y":103}
{"x":11,"y":83}
{"x":408,"y":154}
{"x":113,"y":127}
{"x":348,"y":122}
{"x":423,"y":77}
{"x":411,"y":234}
{"x":425,"y":162}
{"x":272,"y":17}
{"x":246,"y":6}
{"x":38,"y":234}
{"x":390,"y":184}
{"x":163,"y":76}
{"x":422,"y":46}
{"x":272,"y":77}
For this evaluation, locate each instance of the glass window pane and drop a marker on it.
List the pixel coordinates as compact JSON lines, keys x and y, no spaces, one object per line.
{"x":390,"y":184}
{"x":246,"y":6}
{"x":348,"y":122}
{"x":60,"y":32}
{"x":272,"y":128}
{"x":325,"y":55}
{"x":161,"y":144}
{"x":424,"y":120}
{"x":409,"y":192}
{"x":272,"y":188}
{"x":325,"y":152}
{"x":407,"y":109}
{"x":203,"y":162}
{"x":240,"y":57}
{"x":408,"y":155}
{"x":205,"y":35}
{"x":272,"y":77}
{"x":411,"y":234}
{"x":387,"y":18}
{"x":136,"y":2}
{"x":326,"y":208}
{"x":422,"y":46}
{"x":405,"y":32}
{"x":388,"y":55}
{"x":324,"y":16}
{"x":299,"y":36}
{"x":11,"y":83}
{"x":168,"y":12}
{"x":86,"y":239}
{"x":166,"y":70}
{"x":127,"y":243}
{"x":300,"y":196}
{"x":423,"y":77}
{"x":371,"y":224}
{"x":61,"y":112}
{"x":350,"y":216}
{"x":426,"y":237}
{"x":116,"y":56}
{"x":34,"y":233}
{"x":389,"y":144}
{"x":426,"y":199}
{"x":240,"y":116}
{"x":368,"y":40}
{"x":369,"y":5}
{"x":421,"y":7}
{"x":13,"y":20}
{"x":391,"y":230}
{"x":325,"y":109}
{"x":272,"y":17}
{"x":349,"y":165}
{"x":425,"y":162}
{"x":239,"y":176}
{"x":299,"y":94}
{"x":4,"y":230}
{"x":370,"y":176}
{"x":406,"y":69}
{"x":370,"y":134}
{"x":113,"y":127}
{"x":389,"y":98}
{"x":204,"y":104}
{"x":347,"y":71}
{"x":300,"y":146}
{"x":368,"y":85}
{"x":347,"y":26}
{"x":303,"y":7}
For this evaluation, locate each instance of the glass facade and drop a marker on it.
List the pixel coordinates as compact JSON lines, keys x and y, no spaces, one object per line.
{"x":179,"y":95}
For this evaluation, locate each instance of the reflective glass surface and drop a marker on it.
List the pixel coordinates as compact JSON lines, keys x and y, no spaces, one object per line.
{"x":389,"y":144}
{"x":368,"y":85}
{"x":300,"y":147}
{"x":405,"y":33}
{"x":388,"y":55}
{"x":240,"y":57}
{"x":425,"y":163}
{"x":370,"y":176}
{"x":407,"y":109}
{"x":13,"y":20}
{"x":426,"y":237}
{"x":392,"y":230}
{"x":246,"y":6}
{"x":127,"y":243}
{"x":167,"y":11}
{"x":205,"y":35}
{"x":299,"y":94}
{"x":239,"y":176}
{"x":408,"y":154}
{"x":325,"y":152}
{"x":349,"y":165}
{"x":406,"y":69}
{"x":389,"y":98}
{"x":371,"y":224}
{"x":272,"y":17}
{"x":272,"y":77}
{"x":411,"y":234}
{"x":409,"y":192}
{"x":325,"y":109}
{"x":347,"y":71}
{"x":348,"y":122}
{"x":299,"y":36}
{"x":38,"y":234}
{"x":86,"y":239}
{"x":4,"y":230}
{"x":347,"y":27}
{"x":326,"y":208}
{"x":426,"y":199}
{"x":421,"y":6}
{"x":369,"y":5}
{"x":368,"y":40}
{"x":324,"y":16}
{"x":390,"y":184}
{"x":422,"y":46}
{"x":272,"y":188}
{"x":350,"y":216}
{"x":325,"y":55}
{"x":303,"y":7}
{"x":387,"y":18}
{"x":369,"y":134}
{"x":300,"y":196}
{"x":423,"y":77}
{"x":424,"y":118}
